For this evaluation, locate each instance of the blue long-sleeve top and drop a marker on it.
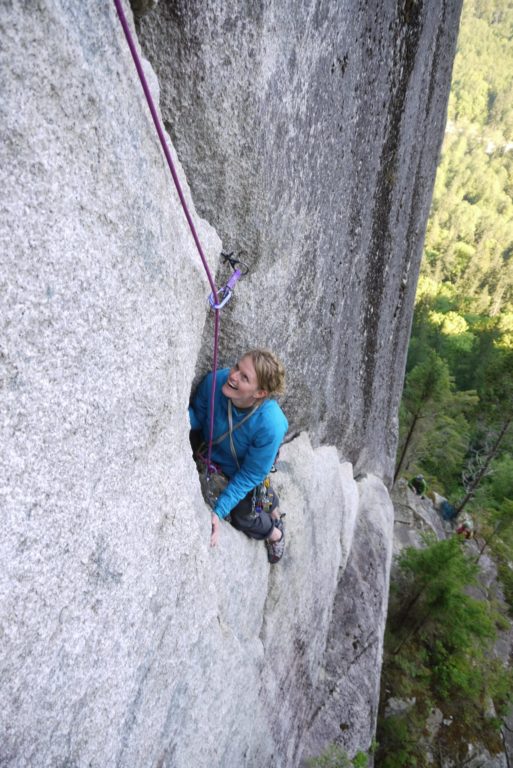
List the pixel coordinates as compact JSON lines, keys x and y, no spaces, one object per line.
{"x":256,"y":442}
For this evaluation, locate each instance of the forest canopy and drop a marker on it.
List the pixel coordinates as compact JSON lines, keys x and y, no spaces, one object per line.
{"x":457,"y":406}
{"x":469,"y":241}
{"x":456,"y":422}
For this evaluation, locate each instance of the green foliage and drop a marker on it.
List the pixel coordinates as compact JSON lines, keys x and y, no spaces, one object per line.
{"x":427,"y":385}
{"x":506,"y":577}
{"x":335,"y":757}
{"x":437,"y":654}
{"x":440,"y":452}
{"x":482,"y":77}
{"x":434,"y":432}
{"x":460,"y":393}
{"x":397,"y":747}
{"x":497,"y":389}
{"x":456,"y":416}
{"x":470,"y":235}
{"x":495,"y":515}
{"x":360,"y":760}
{"x":498,"y":487}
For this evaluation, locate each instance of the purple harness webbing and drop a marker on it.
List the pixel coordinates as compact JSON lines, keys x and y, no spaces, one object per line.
{"x":160,"y":132}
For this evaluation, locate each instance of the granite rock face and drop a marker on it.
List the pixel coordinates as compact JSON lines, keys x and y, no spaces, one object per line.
{"x":125,"y":640}
{"x":346,"y":699}
{"x":310,"y":133}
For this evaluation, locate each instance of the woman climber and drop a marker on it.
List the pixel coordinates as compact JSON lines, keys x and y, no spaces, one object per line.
{"x":249,"y":427}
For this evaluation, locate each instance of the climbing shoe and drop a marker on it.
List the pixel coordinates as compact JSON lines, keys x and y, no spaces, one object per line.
{"x":275,"y":549}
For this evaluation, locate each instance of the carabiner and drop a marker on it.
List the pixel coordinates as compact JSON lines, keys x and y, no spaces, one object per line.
{"x":223,"y":297}
{"x":224,"y":294}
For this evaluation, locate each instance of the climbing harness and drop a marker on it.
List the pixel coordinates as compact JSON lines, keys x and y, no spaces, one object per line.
{"x":213,"y":483}
{"x":263,"y":495}
{"x":218,"y":298}
{"x":214,"y":480}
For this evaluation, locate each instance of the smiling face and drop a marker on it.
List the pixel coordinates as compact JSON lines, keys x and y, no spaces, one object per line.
{"x":242,"y":385}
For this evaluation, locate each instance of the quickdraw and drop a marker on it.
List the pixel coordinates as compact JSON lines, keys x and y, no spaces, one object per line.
{"x":224,"y":294}
{"x":263,"y":497}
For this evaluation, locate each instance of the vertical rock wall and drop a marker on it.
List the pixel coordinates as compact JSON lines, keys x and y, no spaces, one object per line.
{"x":125,"y":640}
{"x":98,"y":346}
{"x":310,"y":134}
{"x":346,"y":698}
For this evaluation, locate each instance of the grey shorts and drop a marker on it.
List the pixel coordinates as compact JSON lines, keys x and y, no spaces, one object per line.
{"x":255,"y":525}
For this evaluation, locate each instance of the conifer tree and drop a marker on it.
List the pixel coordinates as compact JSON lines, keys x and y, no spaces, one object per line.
{"x":496,"y":416}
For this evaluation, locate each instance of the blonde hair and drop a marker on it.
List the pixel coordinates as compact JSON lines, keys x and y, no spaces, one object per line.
{"x":269,"y":370}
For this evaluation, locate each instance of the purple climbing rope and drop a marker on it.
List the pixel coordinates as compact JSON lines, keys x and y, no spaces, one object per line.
{"x":167,"y":153}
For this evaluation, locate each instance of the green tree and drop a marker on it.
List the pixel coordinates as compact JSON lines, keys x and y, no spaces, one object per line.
{"x":437,"y":654}
{"x":434,"y":430}
{"x":496,"y":416}
{"x":496,"y":522}
{"x":435,"y":594}
{"x":438,"y":641}
{"x":427,"y":386}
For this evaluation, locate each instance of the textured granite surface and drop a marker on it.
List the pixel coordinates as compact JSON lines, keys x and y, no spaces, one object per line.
{"x":309,"y":136}
{"x":310,"y":133}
